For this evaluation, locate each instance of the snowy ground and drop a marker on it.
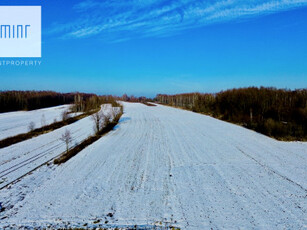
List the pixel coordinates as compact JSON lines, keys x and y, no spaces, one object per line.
{"x":172,"y":166}
{"x":20,"y":158}
{"x":14,"y":123}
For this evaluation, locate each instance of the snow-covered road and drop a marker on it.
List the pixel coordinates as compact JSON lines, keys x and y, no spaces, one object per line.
{"x":172,"y":166}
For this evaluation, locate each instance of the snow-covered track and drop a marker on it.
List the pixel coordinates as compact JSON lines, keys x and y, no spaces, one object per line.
{"x":165,"y":165}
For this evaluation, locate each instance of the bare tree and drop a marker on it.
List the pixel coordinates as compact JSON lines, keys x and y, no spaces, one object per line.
{"x":31,"y":126}
{"x":114,"y":112}
{"x":99,"y":119}
{"x":43,"y":120}
{"x":65,"y":115}
{"x":66,"y":137}
{"x":107,"y":118}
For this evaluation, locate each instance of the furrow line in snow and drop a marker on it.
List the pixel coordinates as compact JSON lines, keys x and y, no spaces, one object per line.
{"x":272,"y":170}
{"x":35,"y":157}
{"x":29,"y":172}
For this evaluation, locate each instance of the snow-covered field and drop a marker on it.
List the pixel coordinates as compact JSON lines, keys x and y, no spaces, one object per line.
{"x":20,"y":158}
{"x":171,"y":166}
{"x":14,"y":123}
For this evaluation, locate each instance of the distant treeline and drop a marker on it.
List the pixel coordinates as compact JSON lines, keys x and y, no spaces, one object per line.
{"x":279,"y":113}
{"x":132,"y":98}
{"x":30,"y":100}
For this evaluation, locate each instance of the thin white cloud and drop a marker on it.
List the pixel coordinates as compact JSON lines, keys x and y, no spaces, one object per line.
{"x":122,"y":20}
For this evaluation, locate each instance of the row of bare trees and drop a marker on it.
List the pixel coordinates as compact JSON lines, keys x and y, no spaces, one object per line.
{"x":101,"y":119}
{"x":82,"y":103}
{"x":64,"y":116}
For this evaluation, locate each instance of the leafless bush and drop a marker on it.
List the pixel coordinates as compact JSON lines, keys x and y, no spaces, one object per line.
{"x":65,"y":115}
{"x":66,"y":137}
{"x":31,"y":126}
{"x":107,"y":119}
{"x":43,"y":120}
{"x":101,"y":120}
{"x":98,"y":119}
{"x":120,"y":112}
{"x":117,"y":112}
{"x":114,"y":112}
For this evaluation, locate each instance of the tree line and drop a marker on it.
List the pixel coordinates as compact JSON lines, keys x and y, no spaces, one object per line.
{"x":132,"y":98}
{"x":279,"y":113}
{"x":30,"y":100}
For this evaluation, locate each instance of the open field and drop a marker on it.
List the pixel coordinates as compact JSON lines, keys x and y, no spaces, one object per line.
{"x":166,"y":165}
{"x":20,"y":158}
{"x":14,"y":123}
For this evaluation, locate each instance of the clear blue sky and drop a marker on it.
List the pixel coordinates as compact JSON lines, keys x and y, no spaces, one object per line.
{"x":145,"y":47}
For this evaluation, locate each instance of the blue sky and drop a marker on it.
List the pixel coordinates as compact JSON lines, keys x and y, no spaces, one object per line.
{"x":145,"y":47}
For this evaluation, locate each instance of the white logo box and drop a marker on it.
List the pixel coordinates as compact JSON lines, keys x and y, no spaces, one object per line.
{"x":20,"y":31}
